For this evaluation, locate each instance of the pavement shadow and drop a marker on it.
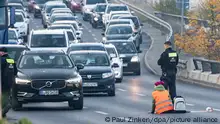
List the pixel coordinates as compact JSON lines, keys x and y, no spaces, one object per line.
{"x":47,"y":109}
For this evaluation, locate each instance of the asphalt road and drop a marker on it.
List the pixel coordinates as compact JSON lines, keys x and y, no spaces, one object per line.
{"x":133,"y":98}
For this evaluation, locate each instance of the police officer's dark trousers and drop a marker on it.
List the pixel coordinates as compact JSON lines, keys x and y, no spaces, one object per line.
{"x":170,"y":84}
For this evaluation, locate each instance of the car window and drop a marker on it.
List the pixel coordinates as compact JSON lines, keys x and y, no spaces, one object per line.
{"x":48,"y":40}
{"x":125,"y":48}
{"x":117,"y":8}
{"x":119,"y":30}
{"x":2,"y":16}
{"x":70,"y":36}
{"x":15,"y":52}
{"x":91,"y":59}
{"x":100,"y":8}
{"x":19,"y":18}
{"x":45,"y":61}
{"x":119,"y":22}
{"x":61,"y":18}
{"x":77,"y":48}
{"x":95,"y":1}
{"x":134,"y":19}
{"x":49,"y":8}
{"x":12,"y":35}
{"x":111,"y":51}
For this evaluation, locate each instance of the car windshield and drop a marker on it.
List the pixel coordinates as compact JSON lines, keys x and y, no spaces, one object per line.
{"x":119,"y":22}
{"x":49,"y":8}
{"x":19,"y":18}
{"x":61,"y":18}
{"x":90,"y":59}
{"x":77,"y":48}
{"x":12,"y":35}
{"x":65,"y":12}
{"x":117,"y":8}
{"x":70,"y":36}
{"x":60,"y":27}
{"x":134,"y":19}
{"x":40,"y":1}
{"x":45,"y":61}
{"x":100,"y":8}
{"x":95,"y":1}
{"x":48,"y":40}
{"x":114,"y":30}
{"x":125,"y":48}
{"x":15,"y":52}
{"x":111,"y":51}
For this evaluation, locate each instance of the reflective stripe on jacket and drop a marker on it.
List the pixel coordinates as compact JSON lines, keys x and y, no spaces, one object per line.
{"x":162,"y":101}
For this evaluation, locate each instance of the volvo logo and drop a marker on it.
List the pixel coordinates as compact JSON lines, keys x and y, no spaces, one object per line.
{"x":89,"y":76}
{"x":48,"y":84}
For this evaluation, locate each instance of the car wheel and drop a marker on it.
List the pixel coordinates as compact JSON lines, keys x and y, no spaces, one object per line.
{"x":14,"y":102}
{"x":45,"y":26}
{"x":94,"y":25}
{"x":112,"y":91}
{"x":78,"y":105}
{"x":138,"y":72}
{"x":119,"y":80}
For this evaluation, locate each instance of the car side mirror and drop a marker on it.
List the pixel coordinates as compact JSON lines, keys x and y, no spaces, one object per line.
{"x":79,"y":66}
{"x":115,"y":65}
{"x":103,"y":34}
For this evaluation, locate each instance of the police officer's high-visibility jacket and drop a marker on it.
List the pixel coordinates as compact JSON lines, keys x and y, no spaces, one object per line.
{"x":161,"y":100}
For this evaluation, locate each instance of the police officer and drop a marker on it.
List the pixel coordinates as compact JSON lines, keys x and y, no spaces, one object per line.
{"x":8,"y":72}
{"x":168,"y":62}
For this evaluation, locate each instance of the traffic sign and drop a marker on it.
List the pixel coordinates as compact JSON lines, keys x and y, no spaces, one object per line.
{"x":179,"y":4}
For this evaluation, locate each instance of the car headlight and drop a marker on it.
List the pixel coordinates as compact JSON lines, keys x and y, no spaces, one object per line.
{"x":135,"y":59}
{"x":74,"y":81}
{"x":96,"y":19}
{"x":87,"y":10}
{"x":106,"y":75}
{"x":104,"y":39}
{"x":22,"y":81}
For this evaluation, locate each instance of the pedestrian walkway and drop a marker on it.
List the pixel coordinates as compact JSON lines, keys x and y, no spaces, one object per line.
{"x":157,"y":38}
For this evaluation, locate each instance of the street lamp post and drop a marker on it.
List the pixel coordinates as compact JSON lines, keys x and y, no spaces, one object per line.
{"x":182,"y":17}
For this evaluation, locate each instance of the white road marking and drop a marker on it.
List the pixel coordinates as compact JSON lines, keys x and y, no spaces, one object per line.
{"x":190,"y":104}
{"x":198,"y":111}
{"x":139,"y":94}
{"x":93,"y":35}
{"x":90,"y":31}
{"x":85,"y":107}
{"x":100,"y":112}
{"x":121,"y":90}
{"x":216,"y":109}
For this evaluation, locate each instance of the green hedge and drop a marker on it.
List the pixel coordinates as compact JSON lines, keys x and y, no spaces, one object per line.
{"x":22,"y":121}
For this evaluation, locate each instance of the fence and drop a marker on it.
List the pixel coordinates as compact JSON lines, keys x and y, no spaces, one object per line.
{"x":207,"y":65}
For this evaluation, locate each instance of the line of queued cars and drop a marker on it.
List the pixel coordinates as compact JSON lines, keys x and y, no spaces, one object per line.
{"x":55,"y":64}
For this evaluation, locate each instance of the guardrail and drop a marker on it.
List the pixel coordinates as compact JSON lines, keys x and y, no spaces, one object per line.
{"x":207,"y":66}
{"x":182,"y":64}
{"x":154,"y":20}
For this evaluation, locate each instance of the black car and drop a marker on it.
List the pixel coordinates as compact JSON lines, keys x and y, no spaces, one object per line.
{"x":128,"y":53}
{"x":137,"y":23}
{"x":47,"y":76}
{"x":38,"y":5}
{"x":86,"y":46}
{"x":96,"y":16}
{"x":98,"y":75}
{"x":14,"y":51}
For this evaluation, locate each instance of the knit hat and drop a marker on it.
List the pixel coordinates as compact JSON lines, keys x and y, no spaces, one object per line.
{"x":159,"y":83}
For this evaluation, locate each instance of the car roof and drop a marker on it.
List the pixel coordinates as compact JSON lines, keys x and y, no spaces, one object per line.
{"x":115,"y":4}
{"x":120,"y":25}
{"x":108,"y":41}
{"x":129,"y":16}
{"x":88,"y":52}
{"x":109,"y":46}
{"x":62,"y":10}
{"x":87,"y":44}
{"x":12,"y":29}
{"x":16,"y":4}
{"x":18,"y":13}
{"x":48,"y":31}
{"x":120,"y":20}
{"x":62,"y":14}
{"x":12,"y":45}
{"x":58,"y":25}
{"x":54,"y":3}
{"x":36,"y":52}
{"x":115,"y":12}
{"x":65,"y":21}
{"x":101,"y":4}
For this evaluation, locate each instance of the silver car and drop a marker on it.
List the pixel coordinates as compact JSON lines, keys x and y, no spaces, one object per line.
{"x":116,"y":61}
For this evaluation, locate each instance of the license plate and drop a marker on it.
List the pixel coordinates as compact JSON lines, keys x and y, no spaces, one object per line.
{"x":90,"y":84}
{"x":125,"y":64}
{"x":49,"y":92}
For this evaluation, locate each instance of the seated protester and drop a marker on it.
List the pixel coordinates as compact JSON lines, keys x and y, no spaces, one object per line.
{"x":161,"y":100}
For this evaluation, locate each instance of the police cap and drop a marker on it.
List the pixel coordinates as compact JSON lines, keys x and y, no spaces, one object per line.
{"x":168,"y":43}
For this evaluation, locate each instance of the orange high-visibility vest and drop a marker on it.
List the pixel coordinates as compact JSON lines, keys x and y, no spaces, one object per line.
{"x":162,"y":101}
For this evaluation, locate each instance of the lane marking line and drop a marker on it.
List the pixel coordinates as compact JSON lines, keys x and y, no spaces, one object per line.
{"x":121,"y":90}
{"x":198,"y":111}
{"x":216,"y":109}
{"x":139,"y":94}
{"x":190,"y":104}
{"x":100,"y":112}
{"x":85,"y":107}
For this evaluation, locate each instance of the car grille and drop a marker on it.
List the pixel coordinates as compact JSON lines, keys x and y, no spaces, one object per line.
{"x":126,"y":60}
{"x":56,"y":84}
{"x":91,"y":77}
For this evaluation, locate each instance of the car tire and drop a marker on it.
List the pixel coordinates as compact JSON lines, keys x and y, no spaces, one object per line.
{"x":138,"y":72}
{"x":94,"y":25}
{"x":112,"y":92}
{"x":35,"y":16}
{"x":119,"y":80}
{"x":15,"y":104}
{"x":78,"y":105}
{"x":45,"y":26}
